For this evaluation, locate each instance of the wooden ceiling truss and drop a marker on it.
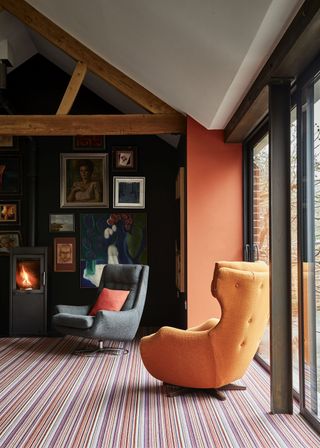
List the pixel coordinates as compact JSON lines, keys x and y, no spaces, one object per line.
{"x":159,"y":119}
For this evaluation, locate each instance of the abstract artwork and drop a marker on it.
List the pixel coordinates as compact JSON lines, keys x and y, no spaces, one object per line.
{"x":128,"y":192}
{"x":110,"y":238}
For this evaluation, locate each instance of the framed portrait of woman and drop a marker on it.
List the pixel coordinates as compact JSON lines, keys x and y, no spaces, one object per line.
{"x":84,"y":180}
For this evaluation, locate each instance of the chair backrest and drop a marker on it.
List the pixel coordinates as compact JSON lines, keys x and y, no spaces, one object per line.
{"x":133,"y":277}
{"x":242,"y":289}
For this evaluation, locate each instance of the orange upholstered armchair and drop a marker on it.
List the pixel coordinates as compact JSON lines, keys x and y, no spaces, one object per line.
{"x":212,"y":355}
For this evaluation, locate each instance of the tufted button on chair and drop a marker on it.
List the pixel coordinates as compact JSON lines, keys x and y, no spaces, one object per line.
{"x":217,"y":352}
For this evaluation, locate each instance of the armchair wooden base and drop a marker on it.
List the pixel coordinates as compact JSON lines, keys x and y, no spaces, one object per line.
{"x":217,"y":393}
{"x":100,"y":350}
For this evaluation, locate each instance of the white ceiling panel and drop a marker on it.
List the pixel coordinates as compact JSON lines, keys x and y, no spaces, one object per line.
{"x":199,"y":56}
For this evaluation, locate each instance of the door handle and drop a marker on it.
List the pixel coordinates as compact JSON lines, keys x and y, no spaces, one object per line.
{"x":255,"y":252}
{"x":247,"y":252}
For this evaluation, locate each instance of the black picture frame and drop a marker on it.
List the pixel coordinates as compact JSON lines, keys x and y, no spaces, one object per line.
{"x":9,"y":239}
{"x":10,"y":175}
{"x":9,"y":212}
{"x":125,"y":158}
{"x":8,"y":143}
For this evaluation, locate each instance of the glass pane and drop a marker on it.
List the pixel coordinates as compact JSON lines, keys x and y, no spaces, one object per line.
{"x":316,"y":336}
{"x":27,"y":274}
{"x":261,"y":232}
{"x":261,"y":219}
{"x":311,"y":250}
{"x":294,"y":252}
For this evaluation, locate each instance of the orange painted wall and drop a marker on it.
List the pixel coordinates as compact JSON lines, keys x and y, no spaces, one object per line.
{"x":214,"y":214}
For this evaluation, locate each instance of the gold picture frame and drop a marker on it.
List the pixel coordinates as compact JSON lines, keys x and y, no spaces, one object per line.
{"x":84,"y":180}
{"x":10,"y":212}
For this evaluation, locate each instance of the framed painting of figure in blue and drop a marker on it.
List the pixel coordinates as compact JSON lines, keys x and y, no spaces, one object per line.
{"x":110,"y":238}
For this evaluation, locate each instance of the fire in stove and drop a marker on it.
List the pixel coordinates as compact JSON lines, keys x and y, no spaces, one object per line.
{"x":28,"y":275}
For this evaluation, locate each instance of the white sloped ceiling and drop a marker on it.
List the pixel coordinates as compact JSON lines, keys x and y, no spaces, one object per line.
{"x":199,"y":56}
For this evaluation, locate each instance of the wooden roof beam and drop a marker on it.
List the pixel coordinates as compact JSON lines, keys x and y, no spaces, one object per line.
{"x":55,"y":125}
{"x":79,"y":52}
{"x":73,"y":88}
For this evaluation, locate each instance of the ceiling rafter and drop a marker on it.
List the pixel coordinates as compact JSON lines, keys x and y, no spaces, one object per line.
{"x":79,"y":52}
{"x":134,"y":124}
{"x":163,"y":118}
{"x":73,"y":88}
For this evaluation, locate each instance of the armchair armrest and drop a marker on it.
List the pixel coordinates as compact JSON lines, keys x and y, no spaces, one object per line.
{"x":81,"y":310}
{"x":116,"y":325}
{"x":186,"y":351}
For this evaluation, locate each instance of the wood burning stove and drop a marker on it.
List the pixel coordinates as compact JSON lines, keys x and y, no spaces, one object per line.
{"x":28,"y":291}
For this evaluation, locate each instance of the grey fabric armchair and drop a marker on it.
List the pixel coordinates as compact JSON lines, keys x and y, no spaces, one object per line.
{"x":108,"y":325}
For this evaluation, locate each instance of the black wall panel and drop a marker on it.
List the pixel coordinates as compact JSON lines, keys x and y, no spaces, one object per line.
{"x":37,"y":87}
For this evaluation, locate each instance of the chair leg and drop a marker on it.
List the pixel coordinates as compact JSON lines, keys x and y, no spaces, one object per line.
{"x":217,"y":393}
{"x":100,"y":350}
{"x":178,"y":390}
{"x":232,"y":386}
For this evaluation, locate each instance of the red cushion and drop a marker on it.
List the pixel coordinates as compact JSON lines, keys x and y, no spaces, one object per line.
{"x":109,"y":300}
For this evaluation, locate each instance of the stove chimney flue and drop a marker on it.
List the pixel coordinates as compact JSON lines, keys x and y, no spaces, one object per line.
{"x":3,"y":75}
{"x":6,"y":60}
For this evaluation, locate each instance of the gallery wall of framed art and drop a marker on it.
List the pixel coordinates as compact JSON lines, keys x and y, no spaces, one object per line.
{"x":109,"y":227}
{"x":11,"y":190}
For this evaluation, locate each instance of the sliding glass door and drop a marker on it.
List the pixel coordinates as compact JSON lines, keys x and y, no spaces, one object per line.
{"x":305,"y":235}
{"x":257,"y":225}
{"x":259,"y":241}
{"x":310,"y":249}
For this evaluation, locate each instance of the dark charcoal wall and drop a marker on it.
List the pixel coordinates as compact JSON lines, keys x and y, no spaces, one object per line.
{"x":37,"y":88}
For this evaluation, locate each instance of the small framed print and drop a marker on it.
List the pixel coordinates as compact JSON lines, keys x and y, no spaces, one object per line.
{"x":8,"y":240}
{"x":64,"y":254}
{"x":10,"y":212}
{"x":89,"y":142}
{"x":6,"y":141}
{"x":128,"y":192}
{"x":61,"y":223}
{"x":124,"y":158}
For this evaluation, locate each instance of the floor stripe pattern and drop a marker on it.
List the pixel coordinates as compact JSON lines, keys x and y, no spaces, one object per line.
{"x":51,"y":398}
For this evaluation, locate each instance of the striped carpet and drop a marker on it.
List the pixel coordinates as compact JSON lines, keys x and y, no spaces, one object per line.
{"x":51,"y":398}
